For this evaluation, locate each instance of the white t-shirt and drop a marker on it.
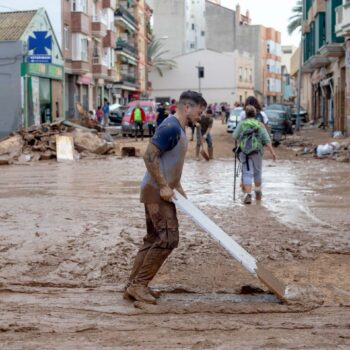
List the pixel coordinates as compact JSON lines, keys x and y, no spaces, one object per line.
{"x":265,"y":118}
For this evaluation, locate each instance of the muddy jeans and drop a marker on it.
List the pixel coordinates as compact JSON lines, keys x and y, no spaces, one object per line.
{"x":161,"y":238}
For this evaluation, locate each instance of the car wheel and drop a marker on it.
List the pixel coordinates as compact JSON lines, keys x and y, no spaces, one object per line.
{"x":124,"y":135}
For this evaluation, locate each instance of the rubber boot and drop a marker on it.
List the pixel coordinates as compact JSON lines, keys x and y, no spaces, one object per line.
{"x":197,"y":152}
{"x":151,"y":265}
{"x":139,"y":258}
{"x":141,"y":293}
{"x":211,"y":152}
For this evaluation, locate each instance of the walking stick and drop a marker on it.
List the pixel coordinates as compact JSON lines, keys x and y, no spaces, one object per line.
{"x":235,"y":173}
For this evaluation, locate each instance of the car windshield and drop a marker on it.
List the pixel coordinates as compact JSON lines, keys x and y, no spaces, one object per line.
{"x":236,"y":111}
{"x":274,"y":116}
{"x":275,"y":107}
{"x":130,"y":109}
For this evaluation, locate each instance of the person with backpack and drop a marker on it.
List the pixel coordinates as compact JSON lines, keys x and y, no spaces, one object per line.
{"x":252,"y":137}
{"x":260,"y":114}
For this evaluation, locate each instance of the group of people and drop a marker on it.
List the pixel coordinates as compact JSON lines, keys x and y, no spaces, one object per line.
{"x":164,"y":160}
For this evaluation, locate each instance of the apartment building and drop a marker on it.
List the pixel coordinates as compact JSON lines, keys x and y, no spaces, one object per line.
{"x":88,"y":43}
{"x":181,"y":24}
{"x":324,"y":63}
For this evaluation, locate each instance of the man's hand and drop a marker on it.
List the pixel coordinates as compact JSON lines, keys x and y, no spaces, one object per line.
{"x":166,"y":193}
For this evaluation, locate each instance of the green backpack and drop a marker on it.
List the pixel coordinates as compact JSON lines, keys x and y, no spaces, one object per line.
{"x":249,"y":141}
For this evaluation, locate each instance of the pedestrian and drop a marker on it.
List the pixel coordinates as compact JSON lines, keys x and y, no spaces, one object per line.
{"x":164,"y":159}
{"x":172,"y":107}
{"x":138,"y":117}
{"x":105,"y":110}
{"x":252,"y":137}
{"x":99,"y":114}
{"x":161,"y":114}
{"x":260,"y":114}
{"x":223,"y":114}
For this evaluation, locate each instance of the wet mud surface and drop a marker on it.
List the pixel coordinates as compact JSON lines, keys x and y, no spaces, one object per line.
{"x":69,"y":233}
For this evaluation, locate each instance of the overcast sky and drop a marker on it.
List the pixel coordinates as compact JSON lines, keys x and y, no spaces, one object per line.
{"x":270,"y":13}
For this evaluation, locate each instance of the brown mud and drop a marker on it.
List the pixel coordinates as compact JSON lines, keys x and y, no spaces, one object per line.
{"x":69,"y":233}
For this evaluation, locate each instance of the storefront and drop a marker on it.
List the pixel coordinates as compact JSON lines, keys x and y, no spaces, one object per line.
{"x":43,"y":92}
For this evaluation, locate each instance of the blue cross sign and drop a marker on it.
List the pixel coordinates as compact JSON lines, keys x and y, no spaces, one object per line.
{"x":40,"y":44}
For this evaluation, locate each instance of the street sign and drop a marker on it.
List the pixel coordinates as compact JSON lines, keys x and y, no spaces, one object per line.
{"x":40,"y":44}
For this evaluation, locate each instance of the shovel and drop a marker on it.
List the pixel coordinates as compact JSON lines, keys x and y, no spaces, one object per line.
{"x":232,"y":247}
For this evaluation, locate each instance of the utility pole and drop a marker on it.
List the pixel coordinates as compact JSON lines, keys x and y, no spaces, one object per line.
{"x":297,"y":123}
{"x":200,"y":75}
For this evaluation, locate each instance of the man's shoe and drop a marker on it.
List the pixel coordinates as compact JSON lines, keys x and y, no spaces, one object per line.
{"x":258,"y":195}
{"x":141,"y":293}
{"x":127,"y":296}
{"x":247,"y":199}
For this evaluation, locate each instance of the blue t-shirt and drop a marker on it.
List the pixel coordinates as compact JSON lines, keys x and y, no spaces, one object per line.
{"x":105,"y":108}
{"x":167,"y":134}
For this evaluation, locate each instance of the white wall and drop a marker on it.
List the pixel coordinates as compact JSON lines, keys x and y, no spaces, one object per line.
{"x":219,"y":80}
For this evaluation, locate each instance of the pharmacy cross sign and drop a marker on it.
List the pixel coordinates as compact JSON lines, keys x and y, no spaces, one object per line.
{"x":40,"y":44}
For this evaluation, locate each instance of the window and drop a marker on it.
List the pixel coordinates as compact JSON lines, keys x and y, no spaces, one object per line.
{"x":240,"y":74}
{"x":66,"y":37}
{"x":84,"y":49}
{"x":79,"y":6}
{"x":268,"y":48}
{"x":192,"y":46}
{"x":268,"y":67}
{"x":192,"y":26}
{"x":203,"y":33}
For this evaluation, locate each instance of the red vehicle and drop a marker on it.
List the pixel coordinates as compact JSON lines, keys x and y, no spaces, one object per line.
{"x":149,"y":108}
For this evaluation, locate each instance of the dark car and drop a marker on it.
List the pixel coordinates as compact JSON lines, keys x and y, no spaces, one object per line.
{"x":280,"y":107}
{"x":279,"y":122}
{"x":303,"y":114}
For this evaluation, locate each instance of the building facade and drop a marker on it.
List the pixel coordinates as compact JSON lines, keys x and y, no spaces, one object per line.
{"x":89,"y":40}
{"x":180,"y":23}
{"x":324,"y":63}
{"x":31,"y":71}
{"x":233,"y":82}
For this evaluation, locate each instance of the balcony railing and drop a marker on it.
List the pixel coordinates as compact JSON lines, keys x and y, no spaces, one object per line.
{"x":124,"y":13}
{"x":126,"y":47}
{"x":127,"y":79}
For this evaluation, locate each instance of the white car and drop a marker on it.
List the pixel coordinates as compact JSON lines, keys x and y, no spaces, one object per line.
{"x":233,"y":119}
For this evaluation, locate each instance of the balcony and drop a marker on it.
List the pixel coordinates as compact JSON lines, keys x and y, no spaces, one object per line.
{"x":127,"y":79}
{"x":99,"y":71}
{"x":80,"y":23}
{"x":78,"y":67}
{"x":126,"y":48}
{"x":314,"y":62}
{"x":332,"y":50}
{"x":99,"y":29}
{"x":123,"y":16}
{"x":342,"y":23}
{"x":112,"y":4}
{"x":110,"y":39}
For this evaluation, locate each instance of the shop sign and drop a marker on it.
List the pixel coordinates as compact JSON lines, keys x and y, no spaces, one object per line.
{"x":40,"y":44}
{"x":43,"y":70}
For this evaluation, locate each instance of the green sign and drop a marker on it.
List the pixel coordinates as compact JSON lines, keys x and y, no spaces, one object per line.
{"x":43,"y":70}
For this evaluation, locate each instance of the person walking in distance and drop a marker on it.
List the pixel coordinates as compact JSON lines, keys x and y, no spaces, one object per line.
{"x":105,"y":110}
{"x":252,"y":137}
{"x":161,"y":114}
{"x":138,"y":117}
{"x":164,"y":160}
{"x":260,"y":114}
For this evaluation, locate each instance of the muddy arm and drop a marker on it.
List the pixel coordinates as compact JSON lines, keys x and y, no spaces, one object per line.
{"x":152,"y":162}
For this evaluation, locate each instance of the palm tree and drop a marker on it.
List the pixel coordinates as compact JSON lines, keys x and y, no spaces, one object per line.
{"x":156,"y":54}
{"x":295,"y":21}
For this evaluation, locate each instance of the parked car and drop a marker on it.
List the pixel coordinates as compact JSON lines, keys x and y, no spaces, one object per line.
{"x":115,"y":115}
{"x":150,"y":110}
{"x":303,"y":114}
{"x":233,"y":119}
{"x":279,"y":122}
{"x":279,"y":107}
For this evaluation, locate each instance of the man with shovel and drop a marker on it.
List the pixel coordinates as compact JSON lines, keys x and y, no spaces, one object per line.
{"x":164,"y":160}
{"x":204,"y":127}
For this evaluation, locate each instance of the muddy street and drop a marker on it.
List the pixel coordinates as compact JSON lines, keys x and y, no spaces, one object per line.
{"x":69,"y":233}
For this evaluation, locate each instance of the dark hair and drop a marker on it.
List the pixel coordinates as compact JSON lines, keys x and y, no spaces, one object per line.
{"x":172,"y":112}
{"x":173,"y":101}
{"x":252,"y":101}
{"x":202,"y":101}
{"x":250,"y":111}
{"x":191,"y":97}
{"x":209,"y":111}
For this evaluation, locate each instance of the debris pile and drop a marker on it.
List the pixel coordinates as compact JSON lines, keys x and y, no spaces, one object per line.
{"x":39,"y":142}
